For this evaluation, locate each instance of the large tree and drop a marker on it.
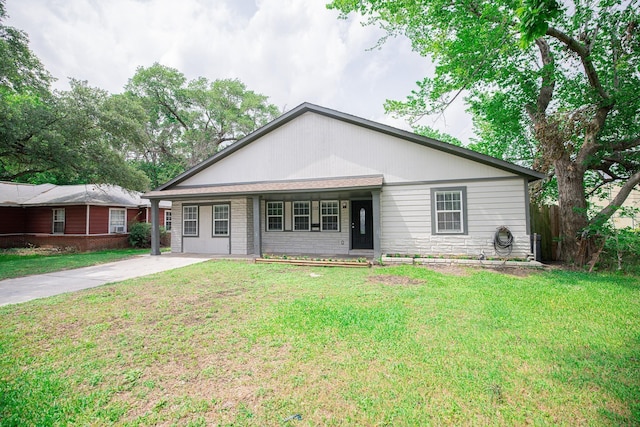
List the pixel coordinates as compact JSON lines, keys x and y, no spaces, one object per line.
{"x":552,"y":85}
{"x":55,"y":137}
{"x":185,"y":122}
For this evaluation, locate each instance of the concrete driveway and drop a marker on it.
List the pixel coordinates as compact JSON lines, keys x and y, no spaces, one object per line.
{"x":14,"y":291}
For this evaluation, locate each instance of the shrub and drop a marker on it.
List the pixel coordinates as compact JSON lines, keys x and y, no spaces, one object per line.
{"x":621,"y":250}
{"x":140,"y":234}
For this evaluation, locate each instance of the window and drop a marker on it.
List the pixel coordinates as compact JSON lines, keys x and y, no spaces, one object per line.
{"x":58,"y":221}
{"x":301,"y":216}
{"x":449,"y":210}
{"x":117,"y":221}
{"x":329,"y":215}
{"x":189,"y":220}
{"x":167,"y":220}
{"x":220,"y":220}
{"x":275,"y":216}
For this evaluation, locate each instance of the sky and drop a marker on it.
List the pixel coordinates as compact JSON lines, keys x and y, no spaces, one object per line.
{"x":292,"y":51}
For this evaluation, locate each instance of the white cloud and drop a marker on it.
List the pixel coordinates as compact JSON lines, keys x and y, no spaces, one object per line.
{"x":290,"y":50}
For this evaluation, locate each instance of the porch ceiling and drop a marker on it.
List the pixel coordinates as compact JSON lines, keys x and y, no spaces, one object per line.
{"x":343,"y":184}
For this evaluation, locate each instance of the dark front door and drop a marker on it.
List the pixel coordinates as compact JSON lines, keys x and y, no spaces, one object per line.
{"x":361,"y":224}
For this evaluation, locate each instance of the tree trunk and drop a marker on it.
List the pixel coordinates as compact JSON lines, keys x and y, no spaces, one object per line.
{"x":573,"y":209}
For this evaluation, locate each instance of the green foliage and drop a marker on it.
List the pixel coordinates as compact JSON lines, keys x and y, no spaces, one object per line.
{"x":177,"y":123}
{"x":534,"y":17}
{"x":621,"y":251}
{"x":436,"y":134}
{"x":20,"y":70}
{"x":140,"y":234}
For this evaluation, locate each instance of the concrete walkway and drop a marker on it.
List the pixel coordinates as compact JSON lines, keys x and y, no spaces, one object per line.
{"x":21,"y":289}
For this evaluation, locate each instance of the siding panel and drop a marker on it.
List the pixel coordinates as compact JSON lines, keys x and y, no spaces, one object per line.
{"x":406,"y":219}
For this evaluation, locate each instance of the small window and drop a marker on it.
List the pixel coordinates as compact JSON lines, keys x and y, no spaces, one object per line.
{"x":449,"y":216}
{"x":220,"y":220}
{"x":275,"y":216}
{"x":189,"y":220}
{"x":329,"y":216}
{"x":117,"y":221}
{"x":301,"y":216}
{"x":58,"y":221}
{"x":167,"y":220}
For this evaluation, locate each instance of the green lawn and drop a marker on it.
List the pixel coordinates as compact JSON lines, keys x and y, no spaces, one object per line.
{"x":233,"y":343}
{"x":18,"y":264}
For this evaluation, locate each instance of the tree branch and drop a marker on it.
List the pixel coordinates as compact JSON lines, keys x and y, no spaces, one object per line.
{"x":575,"y":46}
{"x":548,"y":81}
{"x":617,"y":201}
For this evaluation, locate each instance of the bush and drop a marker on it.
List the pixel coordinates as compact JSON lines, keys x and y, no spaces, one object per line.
{"x":140,"y":234}
{"x":621,"y":251}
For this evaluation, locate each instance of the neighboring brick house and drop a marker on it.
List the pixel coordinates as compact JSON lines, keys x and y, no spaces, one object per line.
{"x":86,"y":217}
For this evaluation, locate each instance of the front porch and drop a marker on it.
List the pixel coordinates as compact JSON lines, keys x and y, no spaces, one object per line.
{"x":335,"y":217}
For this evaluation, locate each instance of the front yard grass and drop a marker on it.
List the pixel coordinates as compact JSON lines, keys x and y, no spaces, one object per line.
{"x":233,"y":343}
{"x":24,"y":262}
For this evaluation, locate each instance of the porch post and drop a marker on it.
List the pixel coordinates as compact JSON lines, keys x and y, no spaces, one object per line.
{"x":375,"y":199}
{"x":155,"y":227}
{"x":257,"y":242}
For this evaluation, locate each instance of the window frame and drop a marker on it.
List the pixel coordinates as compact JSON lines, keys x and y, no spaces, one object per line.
{"x":281,"y":216}
{"x":323,"y":215}
{"x":196,"y":220}
{"x":307,"y":215}
{"x":463,"y":211}
{"x":168,"y":220}
{"x":214,"y":220}
{"x":58,"y":220}
{"x":111,"y":226}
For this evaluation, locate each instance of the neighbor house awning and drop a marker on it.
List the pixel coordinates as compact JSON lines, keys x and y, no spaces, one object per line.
{"x":298,"y":186}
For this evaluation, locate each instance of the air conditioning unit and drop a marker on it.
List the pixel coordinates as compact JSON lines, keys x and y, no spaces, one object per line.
{"x":118,"y":229}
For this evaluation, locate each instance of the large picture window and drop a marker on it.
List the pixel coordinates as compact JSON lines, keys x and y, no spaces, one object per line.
{"x":301,"y":216}
{"x":117,"y":221}
{"x":275,"y":216}
{"x":330,"y":215}
{"x":220,"y":220}
{"x":448,"y":210}
{"x":58,"y":221}
{"x":189,"y":220}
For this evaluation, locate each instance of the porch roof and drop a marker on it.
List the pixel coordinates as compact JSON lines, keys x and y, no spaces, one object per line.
{"x":370,"y":182}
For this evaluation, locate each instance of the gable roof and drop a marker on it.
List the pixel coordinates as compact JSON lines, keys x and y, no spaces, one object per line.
{"x":301,"y":109}
{"x":17,"y":194}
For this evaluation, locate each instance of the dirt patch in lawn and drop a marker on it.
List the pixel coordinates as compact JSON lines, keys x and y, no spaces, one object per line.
{"x":449,"y":269}
{"x":395,"y":280}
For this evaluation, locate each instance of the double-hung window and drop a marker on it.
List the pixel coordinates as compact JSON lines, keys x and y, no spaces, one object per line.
{"x":220,"y":220}
{"x":117,"y":221}
{"x":167,"y":220}
{"x":449,"y":210}
{"x":301,"y":216}
{"x":275,"y":216}
{"x":329,"y":215}
{"x":58,"y":221}
{"x":190,"y":220}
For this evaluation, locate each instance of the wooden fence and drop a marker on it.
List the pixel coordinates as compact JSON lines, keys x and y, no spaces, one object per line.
{"x":545,"y":221}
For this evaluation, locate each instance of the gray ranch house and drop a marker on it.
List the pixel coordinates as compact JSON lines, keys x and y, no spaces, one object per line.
{"x":316,"y":181}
